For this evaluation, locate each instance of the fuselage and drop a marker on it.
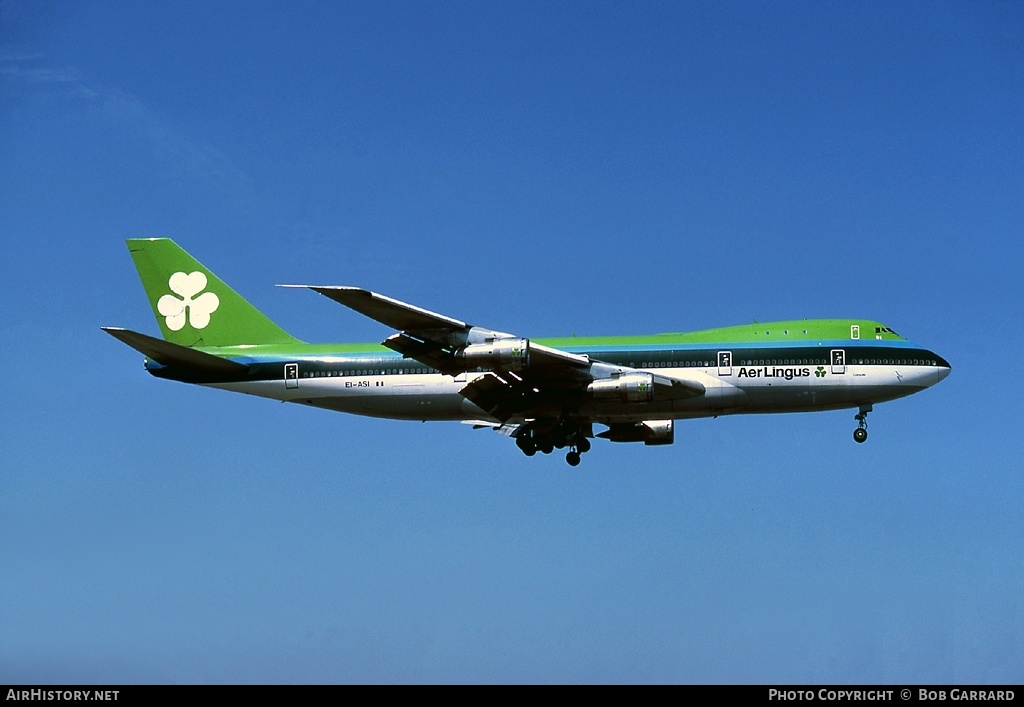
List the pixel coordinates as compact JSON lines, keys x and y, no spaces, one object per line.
{"x":794,"y":366}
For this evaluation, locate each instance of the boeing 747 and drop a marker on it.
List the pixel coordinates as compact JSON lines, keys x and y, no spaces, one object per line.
{"x":546,"y":394}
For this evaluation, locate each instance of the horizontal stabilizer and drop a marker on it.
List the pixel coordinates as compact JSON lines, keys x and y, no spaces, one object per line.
{"x":168,"y":354}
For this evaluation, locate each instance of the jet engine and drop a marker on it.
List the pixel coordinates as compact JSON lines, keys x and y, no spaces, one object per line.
{"x":627,"y":388}
{"x":650,"y":432}
{"x":503,"y":354}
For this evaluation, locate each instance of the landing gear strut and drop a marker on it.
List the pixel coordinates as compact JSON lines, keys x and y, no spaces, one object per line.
{"x":860,"y":435}
{"x":580,"y":445}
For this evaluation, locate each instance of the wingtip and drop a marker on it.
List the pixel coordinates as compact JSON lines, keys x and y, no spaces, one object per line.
{"x":329,"y":288}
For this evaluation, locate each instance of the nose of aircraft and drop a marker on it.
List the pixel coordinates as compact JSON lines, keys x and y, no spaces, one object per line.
{"x":944,"y":367}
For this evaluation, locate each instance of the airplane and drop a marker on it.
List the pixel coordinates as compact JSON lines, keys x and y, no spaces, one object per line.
{"x":546,"y":393}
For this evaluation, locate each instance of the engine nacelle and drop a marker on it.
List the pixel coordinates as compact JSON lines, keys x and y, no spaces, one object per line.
{"x":650,"y":432}
{"x":504,"y":354}
{"x":627,"y":388}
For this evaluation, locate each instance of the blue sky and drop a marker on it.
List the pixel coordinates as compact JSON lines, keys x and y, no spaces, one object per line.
{"x":543,"y":168}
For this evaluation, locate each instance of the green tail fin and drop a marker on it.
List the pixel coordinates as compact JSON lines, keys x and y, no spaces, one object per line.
{"x":192,"y":305}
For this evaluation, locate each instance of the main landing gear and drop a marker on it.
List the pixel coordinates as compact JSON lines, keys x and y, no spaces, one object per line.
{"x":533,"y":438}
{"x":860,"y":435}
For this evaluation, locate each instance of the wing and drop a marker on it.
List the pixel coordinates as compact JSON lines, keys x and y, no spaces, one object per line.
{"x":521,"y":376}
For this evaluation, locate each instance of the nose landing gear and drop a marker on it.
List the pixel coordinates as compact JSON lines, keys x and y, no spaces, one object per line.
{"x":860,"y":435}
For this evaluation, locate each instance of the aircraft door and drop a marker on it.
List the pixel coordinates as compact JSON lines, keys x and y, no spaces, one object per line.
{"x":838,"y":361}
{"x":725,"y":363}
{"x":291,"y":375}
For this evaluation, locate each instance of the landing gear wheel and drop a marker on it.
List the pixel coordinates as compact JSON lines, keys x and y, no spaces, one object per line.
{"x":582,"y":444}
{"x":573,"y":458}
{"x":860,"y":434}
{"x":526,"y":446}
{"x":546,"y":447}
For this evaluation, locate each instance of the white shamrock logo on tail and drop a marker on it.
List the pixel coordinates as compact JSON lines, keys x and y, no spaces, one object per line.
{"x":196,"y":310}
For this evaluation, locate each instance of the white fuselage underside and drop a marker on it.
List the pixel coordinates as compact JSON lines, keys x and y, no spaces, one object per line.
{"x":744,"y":389}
